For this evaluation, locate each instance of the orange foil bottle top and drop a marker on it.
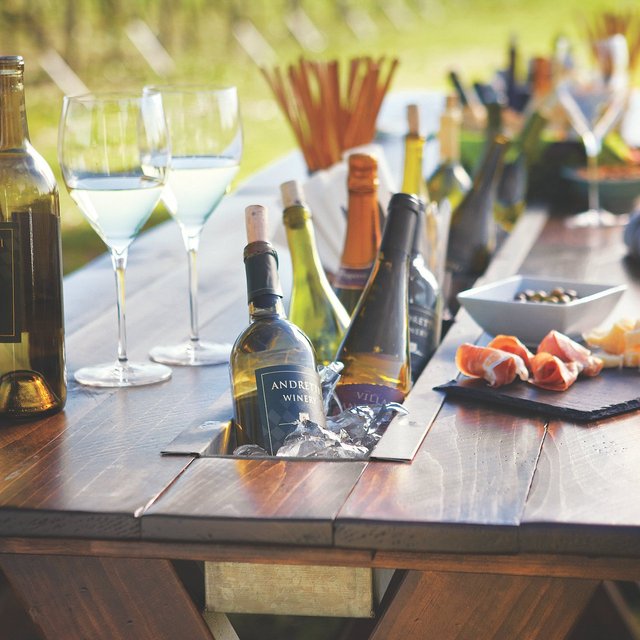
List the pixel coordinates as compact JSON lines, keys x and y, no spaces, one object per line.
{"x":363,"y":230}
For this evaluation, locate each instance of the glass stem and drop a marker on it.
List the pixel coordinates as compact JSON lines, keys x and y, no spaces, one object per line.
{"x":592,"y":172}
{"x":192,"y":243}
{"x":119,"y":261}
{"x":592,"y":147}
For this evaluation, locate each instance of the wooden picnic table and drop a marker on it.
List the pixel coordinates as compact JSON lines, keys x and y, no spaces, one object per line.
{"x":504,"y":525}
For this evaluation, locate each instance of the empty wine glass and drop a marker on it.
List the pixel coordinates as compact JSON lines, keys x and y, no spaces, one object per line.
{"x":594,"y":102}
{"x":114,"y":155}
{"x":206,"y":146}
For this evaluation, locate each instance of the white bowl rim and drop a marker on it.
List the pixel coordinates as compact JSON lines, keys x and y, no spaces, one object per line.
{"x":607,"y":290}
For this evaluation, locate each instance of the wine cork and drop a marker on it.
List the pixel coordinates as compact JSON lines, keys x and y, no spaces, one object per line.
{"x":452,"y":102}
{"x":256,"y":220}
{"x":413,"y":119}
{"x":291,"y":194}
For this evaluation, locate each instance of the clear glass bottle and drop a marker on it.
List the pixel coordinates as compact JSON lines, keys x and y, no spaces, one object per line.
{"x":314,"y":307}
{"x":274,"y":380}
{"x":425,"y":307}
{"x":363,"y":230}
{"x":450,"y":179}
{"x":32,"y":357}
{"x":375,"y":349}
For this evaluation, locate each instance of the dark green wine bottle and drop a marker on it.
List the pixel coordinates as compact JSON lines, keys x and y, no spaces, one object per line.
{"x":375,"y":349}
{"x":425,"y":307}
{"x":472,"y":236}
{"x":274,"y":380}
{"x":32,"y":360}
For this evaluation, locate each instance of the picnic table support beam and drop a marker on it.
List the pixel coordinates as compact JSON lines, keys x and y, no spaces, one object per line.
{"x":451,"y":605}
{"x":75,"y":597}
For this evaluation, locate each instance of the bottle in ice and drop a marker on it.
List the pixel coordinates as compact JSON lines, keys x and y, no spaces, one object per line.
{"x":425,"y":307}
{"x":362,"y":238}
{"x":375,"y":349}
{"x":274,"y":380}
{"x":32,"y":358}
{"x":314,"y":307}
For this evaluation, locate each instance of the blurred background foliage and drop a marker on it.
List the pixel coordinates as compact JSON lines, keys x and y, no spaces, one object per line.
{"x":225,"y":41}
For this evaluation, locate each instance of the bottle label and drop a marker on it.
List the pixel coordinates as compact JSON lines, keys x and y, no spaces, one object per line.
{"x":422,"y":336}
{"x":352,"y":278}
{"x":286,"y":394}
{"x":9,"y":277}
{"x":351,"y":395}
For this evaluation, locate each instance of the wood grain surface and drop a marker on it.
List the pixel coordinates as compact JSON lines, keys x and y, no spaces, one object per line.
{"x":104,"y":598}
{"x":275,"y":501}
{"x":466,"y":606}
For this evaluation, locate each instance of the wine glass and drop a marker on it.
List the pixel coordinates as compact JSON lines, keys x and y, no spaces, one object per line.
{"x":206,"y":145}
{"x":594,"y":102}
{"x":114,"y":154}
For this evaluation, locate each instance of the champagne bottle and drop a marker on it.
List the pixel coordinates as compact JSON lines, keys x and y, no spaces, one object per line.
{"x":472,"y":236}
{"x":375,"y":349}
{"x":425,"y":307}
{"x":274,"y":380}
{"x":32,"y":358}
{"x":450,"y":179}
{"x":363,"y":230}
{"x":314,"y":307}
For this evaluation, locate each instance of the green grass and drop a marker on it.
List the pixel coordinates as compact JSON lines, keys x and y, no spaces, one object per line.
{"x":466,"y":34}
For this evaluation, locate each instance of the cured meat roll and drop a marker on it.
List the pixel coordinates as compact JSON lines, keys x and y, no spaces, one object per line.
{"x":493,"y":365}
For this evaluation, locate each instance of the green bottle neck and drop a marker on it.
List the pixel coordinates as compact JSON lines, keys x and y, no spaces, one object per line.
{"x":413,"y":181}
{"x":302,"y":246}
{"x":14,"y":132}
{"x":265,"y":307}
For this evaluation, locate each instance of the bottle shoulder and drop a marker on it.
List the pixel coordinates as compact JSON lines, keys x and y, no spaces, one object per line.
{"x":271,"y":334}
{"x":27,"y":166}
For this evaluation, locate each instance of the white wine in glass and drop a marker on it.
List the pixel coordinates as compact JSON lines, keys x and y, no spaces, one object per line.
{"x":114,"y":155}
{"x":206,"y":146}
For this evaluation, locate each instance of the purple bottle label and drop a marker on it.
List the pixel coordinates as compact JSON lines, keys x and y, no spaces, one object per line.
{"x":351,"y":395}
{"x":352,"y":278}
{"x":9,"y":276}
{"x":287,"y":394}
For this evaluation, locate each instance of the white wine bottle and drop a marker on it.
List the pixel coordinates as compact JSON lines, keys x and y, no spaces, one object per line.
{"x":375,"y":349}
{"x":314,"y":306}
{"x":32,"y":357}
{"x":274,"y":380}
{"x":450,"y":179}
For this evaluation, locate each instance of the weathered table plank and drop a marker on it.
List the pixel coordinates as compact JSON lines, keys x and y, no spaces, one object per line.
{"x":274,"y":501}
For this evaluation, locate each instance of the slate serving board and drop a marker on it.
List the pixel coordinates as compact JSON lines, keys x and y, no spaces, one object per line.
{"x":613,"y":392}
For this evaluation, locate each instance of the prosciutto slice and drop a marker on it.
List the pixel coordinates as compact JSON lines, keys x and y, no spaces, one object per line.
{"x":550,"y":372}
{"x":493,"y":365}
{"x":563,"y":347}
{"x":512,"y":345}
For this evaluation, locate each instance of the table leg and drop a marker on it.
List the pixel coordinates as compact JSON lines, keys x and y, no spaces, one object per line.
{"x":430,"y":605}
{"x":75,"y":598}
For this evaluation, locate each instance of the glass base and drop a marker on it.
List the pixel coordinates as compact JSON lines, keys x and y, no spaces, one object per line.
{"x":130,"y":374}
{"x":192,"y":354}
{"x":597,"y":218}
